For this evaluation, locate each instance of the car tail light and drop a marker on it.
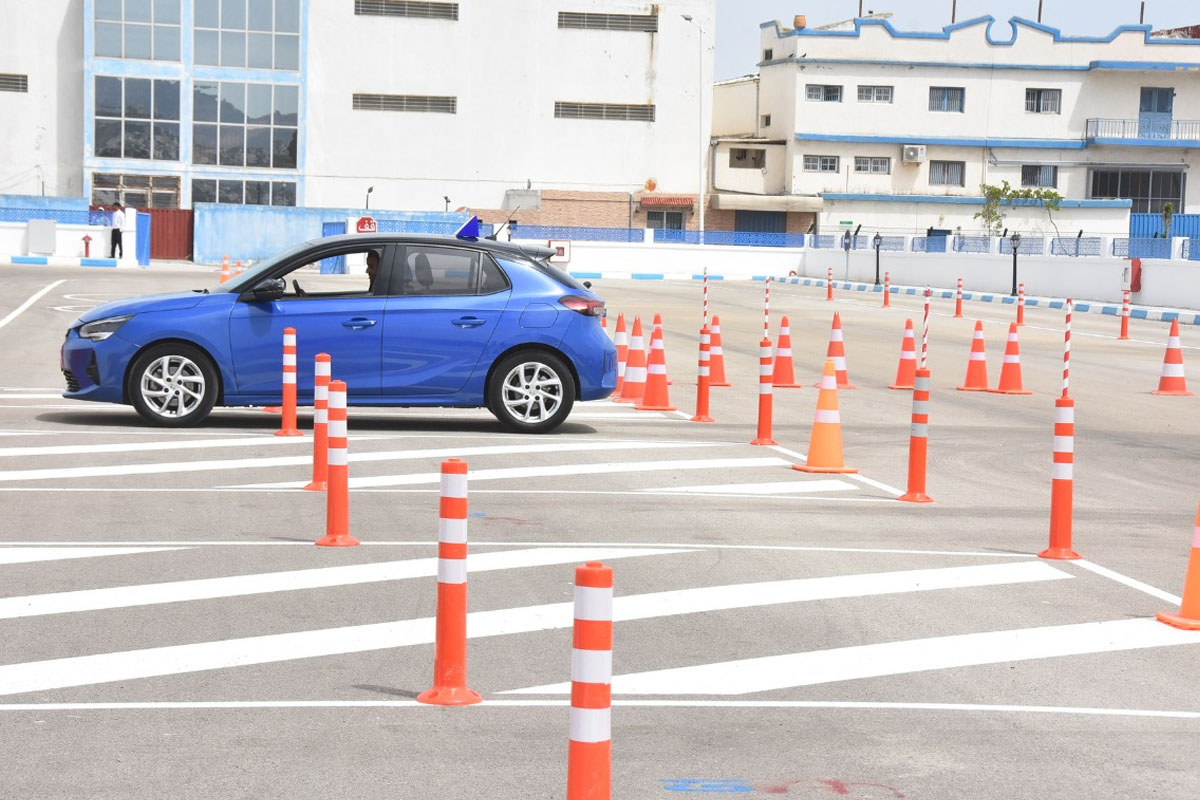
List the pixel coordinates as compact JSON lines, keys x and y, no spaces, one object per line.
{"x":584,"y":305}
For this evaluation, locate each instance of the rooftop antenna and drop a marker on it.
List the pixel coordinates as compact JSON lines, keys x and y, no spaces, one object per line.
{"x":496,"y":232}
{"x":1039,"y":12}
{"x":953,"y":11}
{"x":1142,"y":16}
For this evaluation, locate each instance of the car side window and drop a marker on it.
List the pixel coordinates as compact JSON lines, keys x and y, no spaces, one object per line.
{"x":491,"y":278}
{"x":437,"y":272}
{"x":347,"y":274}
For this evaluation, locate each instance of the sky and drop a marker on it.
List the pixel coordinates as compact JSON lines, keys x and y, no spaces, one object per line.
{"x":738,"y":20}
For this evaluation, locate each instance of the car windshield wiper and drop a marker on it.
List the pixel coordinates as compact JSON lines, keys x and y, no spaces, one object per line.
{"x":200,"y":291}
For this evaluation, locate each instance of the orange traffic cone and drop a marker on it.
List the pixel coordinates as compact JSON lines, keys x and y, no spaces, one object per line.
{"x":658,"y":327}
{"x":1010,"y":373}
{"x":825,"y":444}
{"x":837,"y":352}
{"x":1189,"y":610}
{"x":1172,"y":380}
{"x":716,"y":356}
{"x":906,"y":370}
{"x":656,"y":397}
{"x":237,"y":270}
{"x":621,"y":340}
{"x":634,"y":385}
{"x":785,"y":374}
{"x":977,"y":380}
{"x":224,"y":269}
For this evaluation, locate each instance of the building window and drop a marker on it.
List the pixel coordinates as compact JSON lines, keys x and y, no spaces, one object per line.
{"x":670,"y":220}
{"x":143,"y":29}
{"x":1038,"y":175}
{"x":745,"y":158}
{"x":1149,"y":189}
{"x":947,"y":173}
{"x":137,"y":118}
{"x":874,"y":94}
{"x":946,"y":98}
{"x":874,"y":165}
{"x":631,"y":113}
{"x":1043,"y":101}
{"x":245,"y":124}
{"x":766,"y":120}
{"x":136,"y":191}
{"x":11,"y":82}
{"x":405,"y":102}
{"x":609,"y":22}
{"x":261,"y":34}
{"x":821,"y":164}
{"x":820,"y":93}
{"x":247,"y":192}
{"x":399,"y":8}
{"x":768,"y":54}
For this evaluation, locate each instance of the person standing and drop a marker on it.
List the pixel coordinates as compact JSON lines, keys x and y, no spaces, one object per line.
{"x":118,"y":223}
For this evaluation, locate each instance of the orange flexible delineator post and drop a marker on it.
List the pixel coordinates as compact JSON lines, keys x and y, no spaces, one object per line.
{"x":1189,"y":610}
{"x":837,"y":352}
{"x":906,"y":370}
{"x":825,"y":443}
{"x":224,"y":269}
{"x":702,"y":378}
{"x":589,"y":749}
{"x":765,"y":394}
{"x":918,"y":442}
{"x":976,"y":380}
{"x":337,"y":496}
{"x":829,"y":285}
{"x":1010,"y":373}
{"x":287,"y":426}
{"x":958,"y":300}
{"x":621,"y":340}
{"x":1020,"y":304}
{"x":887,"y":289}
{"x":450,"y":642}
{"x":1062,"y":488}
{"x":1124,"y":314}
{"x":656,"y":396}
{"x":320,"y":470}
{"x":1173,"y":381}
{"x":634,"y":385}
{"x":716,"y":356}
{"x":784,"y":376}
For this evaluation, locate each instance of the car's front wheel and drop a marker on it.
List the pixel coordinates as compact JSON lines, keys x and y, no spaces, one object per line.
{"x":172,"y":384}
{"x":531,"y":391}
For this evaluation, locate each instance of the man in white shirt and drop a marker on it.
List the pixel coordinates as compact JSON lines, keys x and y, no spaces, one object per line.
{"x":118,"y":222}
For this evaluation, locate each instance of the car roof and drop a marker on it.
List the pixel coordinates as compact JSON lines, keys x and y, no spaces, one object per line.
{"x":527,"y":249}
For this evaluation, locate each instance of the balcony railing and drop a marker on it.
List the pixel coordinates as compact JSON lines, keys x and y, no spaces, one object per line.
{"x":1143,"y":129}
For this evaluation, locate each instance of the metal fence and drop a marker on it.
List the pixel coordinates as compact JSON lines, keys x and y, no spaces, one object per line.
{"x":1141,"y":248}
{"x":61,"y":216}
{"x":731,"y":238}
{"x":1191,"y":249}
{"x":434,"y":228}
{"x":929,"y":244}
{"x":1030,"y":245}
{"x":1076,"y":246}
{"x":972,"y":244}
{"x":577,"y":233}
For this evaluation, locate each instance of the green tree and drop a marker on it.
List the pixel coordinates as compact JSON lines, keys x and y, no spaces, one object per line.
{"x":995,"y":198}
{"x":1167,"y":217}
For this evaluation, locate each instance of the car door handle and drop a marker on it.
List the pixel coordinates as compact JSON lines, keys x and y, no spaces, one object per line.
{"x":468,"y":322}
{"x":358,"y":323}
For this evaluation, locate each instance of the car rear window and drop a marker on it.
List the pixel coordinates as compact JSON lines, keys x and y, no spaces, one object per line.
{"x":557,"y":274}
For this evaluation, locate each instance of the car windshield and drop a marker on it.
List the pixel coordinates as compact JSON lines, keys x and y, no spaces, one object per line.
{"x":252,"y":275}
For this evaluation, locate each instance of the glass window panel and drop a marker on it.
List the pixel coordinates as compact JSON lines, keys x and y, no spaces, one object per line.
{"x":166,"y":12}
{"x":166,"y":182}
{"x":137,"y":139}
{"x":108,"y":40}
{"x":166,"y":43}
{"x":164,"y":200}
{"x":108,"y":138}
{"x":258,"y":104}
{"x":259,"y":50}
{"x":284,"y":148}
{"x":166,"y":141}
{"x":287,"y":52}
{"x":232,"y":145}
{"x":233,"y":49}
{"x":258,"y":147}
{"x":108,"y":9}
{"x":229,"y":192}
{"x":137,"y":98}
{"x":136,"y":200}
{"x":103,"y":197}
{"x":287,"y":19}
{"x":259,"y":17}
{"x":105,"y":179}
{"x":166,"y":99}
{"x":1147,"y":103}
{"x":204,"y":190}
{"x":233,"y":14}
{"x":208,"y":48}
{"x":283,"y":193}
{"x":258,"y":193}
{"x":136,"y":181}
{"x":137,"y":41}
{"x":233,"y":102}
{"x":204,"y":102}
{"x":204,"y":144}
{"x":108,"y":96}
{"x":287,"y":105}
{"x":137,"y":10}
{"x":207,"y":13}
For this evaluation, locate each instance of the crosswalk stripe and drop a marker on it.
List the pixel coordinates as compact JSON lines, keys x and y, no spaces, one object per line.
{"x":179,"y":659}
{"x":28,"y":555}
{"x":780,"y":487}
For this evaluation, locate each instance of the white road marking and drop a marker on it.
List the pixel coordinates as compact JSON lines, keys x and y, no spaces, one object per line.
{"x":30,"y":396}
{"x":179,"y":659}
{"x":854,"y":476}
{"x":292,"y":580}
{"x":1132,"y":583}
{"x":38,"y":295}
{"x":28,"y":555}
{"x":897,"y":658}
{"x":783,"y":487}
{"x":139,"y":447}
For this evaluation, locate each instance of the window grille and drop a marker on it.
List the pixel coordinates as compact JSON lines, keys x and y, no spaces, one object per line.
{"x":618,"y":111}
{"x":647,"y":23}
{"x":13,"y":83}
{"x":428,"y":104}
{"x":399,"y":8}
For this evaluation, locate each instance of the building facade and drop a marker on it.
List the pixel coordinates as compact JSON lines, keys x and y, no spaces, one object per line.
{"x":898,"y":130}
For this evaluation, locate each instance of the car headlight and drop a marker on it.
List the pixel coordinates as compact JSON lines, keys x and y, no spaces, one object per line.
{"x":101,"y":329}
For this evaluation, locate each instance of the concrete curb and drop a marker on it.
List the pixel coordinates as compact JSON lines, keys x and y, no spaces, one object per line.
{"x":63,"y":261}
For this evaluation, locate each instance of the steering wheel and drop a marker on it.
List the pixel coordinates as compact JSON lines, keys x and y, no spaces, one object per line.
{"x":299,"y":292}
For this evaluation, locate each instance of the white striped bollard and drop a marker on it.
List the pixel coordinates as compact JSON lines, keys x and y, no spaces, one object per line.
{"x":337,"y":494}
{"x":320,"y":465}
{"x":589,"y":751}
{"x":1124,"y":314}
{"x":958,"y":300}
{"x":1062,"y":489}
{"x":1020,"y":304}
{"x":766,"y":376}
{"x":702,"y":379}
{"x":287,"y":425}
{"x":918,"y":442}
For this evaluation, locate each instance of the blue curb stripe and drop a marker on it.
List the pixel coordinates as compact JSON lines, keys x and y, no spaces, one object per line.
{"x":1170,"y":315}
{"x":1031,"y":301}
{"x":30,"y":260}
{"x":1137,"y":313}
{"x":910,"y":291}
{"x":595,"y":275}
{"x":1056,"y":303}
{"x":97,"y":262}
{"x":1007,"y":299}
{"x":1083,"y":307}
{"x":987,"y":298}
{"x":1109,"y":310}
{"x":647,"y":276}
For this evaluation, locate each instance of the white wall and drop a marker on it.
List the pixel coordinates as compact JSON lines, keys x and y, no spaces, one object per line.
{"x":68,"y":240}
{"x":1174,"y":284}
{"x":893,"y":217}
{"x":682,"y":260}
{"x":735,"y":106}
{"x":768,"y":180}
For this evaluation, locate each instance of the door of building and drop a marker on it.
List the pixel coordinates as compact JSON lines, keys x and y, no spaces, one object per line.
{"x":171,"y":233}
{"x":1155,"y":110}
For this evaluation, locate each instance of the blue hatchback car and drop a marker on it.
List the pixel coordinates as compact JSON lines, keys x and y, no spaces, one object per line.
{"x":407,"y":321}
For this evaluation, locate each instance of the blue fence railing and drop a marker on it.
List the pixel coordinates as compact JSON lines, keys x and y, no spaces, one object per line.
{"x":929,"y":244}
{"x":824,"y":241}
{"x":1141,"y":248}
{"x":731,"y":238}
{"x":1030,"y":245}
{"x":972,"y":244}
{"x":61,"y":216}
{"x":433,"y":228}
{"x":577,"y":233}
{"x":1076,"y":246}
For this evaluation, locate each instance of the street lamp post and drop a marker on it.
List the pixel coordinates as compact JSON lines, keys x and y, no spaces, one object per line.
{"x":878,"y":242}
{"x":367,"y":204}
{"x":446,"y":198}
{"x":1015,"y":239}
{"x":700,"y":116}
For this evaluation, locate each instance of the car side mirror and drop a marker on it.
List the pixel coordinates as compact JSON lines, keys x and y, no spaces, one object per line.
{"x":267,"y":290}
{"x":587,"y":284}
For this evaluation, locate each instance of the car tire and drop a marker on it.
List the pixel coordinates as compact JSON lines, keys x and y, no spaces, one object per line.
{"x":172,"y":385}
{"x":531,"y":391}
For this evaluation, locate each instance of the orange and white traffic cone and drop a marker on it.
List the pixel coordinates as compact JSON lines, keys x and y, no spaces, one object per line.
{"x":237,"y":270}
{"x":702,"y":378}
{"x":825,"y":443}
{"x":1010,"y":373}
{"x":977,"y":380}
{"x":337,"y":496}
{"x":1189,"y":610}
{"x":717,"y":356}
{"x":320,"y":470}
{"x":589,"y":748}
{"x":225,"y":269}
{"x":658,"y":327}
{"x":765,"y":395}
{"x":634,"y":385}
{"x":450,"y":642}
{"x":621,"y":340}
{"x":837,"y":352}
{"x":1062,"y":485}
{"x":287,"y":425}
{"x":1172,"y":381}
{"x":918,"y":442}
{"x":887,"y":290}
{"x":784,"y":376}
{"x":906,"y":370}
{"x":656,"y":396}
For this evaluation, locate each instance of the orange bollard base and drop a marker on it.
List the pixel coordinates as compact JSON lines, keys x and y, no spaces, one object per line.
{"x":273,"y":409}
{"x":832,"y":470}
{"x":909,"y":387}
{"x":1178,"y":621}
{"x":701,"y":418}
{"x":787,"y":385}
{"x":316,"y":486}
{"x":644,"y":407}
{"x":288,"y":432}
{"x":766,"y":441}
{"x":1060,"y":553}
{"x":337,"y":540}
{"x":589,"y":770}
{"x":972,"y":388}
{"x":1173,"y":393}
{"x":449,"y":696}
{"x":915,"y":497}
{"x":722,"y":383}
{"x":999,"y":391}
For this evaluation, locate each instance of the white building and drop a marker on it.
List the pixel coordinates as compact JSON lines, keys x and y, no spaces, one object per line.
{"x":897,"y":130}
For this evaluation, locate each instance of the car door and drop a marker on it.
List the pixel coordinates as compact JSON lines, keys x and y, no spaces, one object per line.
{"x":444,"y":306}
{"x":341,"y":315}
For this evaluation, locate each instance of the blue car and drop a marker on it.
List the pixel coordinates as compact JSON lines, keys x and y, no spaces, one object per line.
{"x":408,"y":321}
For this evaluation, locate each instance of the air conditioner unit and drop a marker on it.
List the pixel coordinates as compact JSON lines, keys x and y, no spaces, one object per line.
{"x":913,"y":153}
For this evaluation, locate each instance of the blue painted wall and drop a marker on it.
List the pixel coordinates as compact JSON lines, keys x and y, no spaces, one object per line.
{"x":1146,"y":226}
{"x":39,"y":202}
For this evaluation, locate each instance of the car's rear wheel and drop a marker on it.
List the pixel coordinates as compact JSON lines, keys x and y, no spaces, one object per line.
{"x":531,"y":391}
{"x":173,"y":384}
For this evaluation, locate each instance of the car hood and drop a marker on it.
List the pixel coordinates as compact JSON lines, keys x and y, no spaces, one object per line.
{"x":132,"y":305}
